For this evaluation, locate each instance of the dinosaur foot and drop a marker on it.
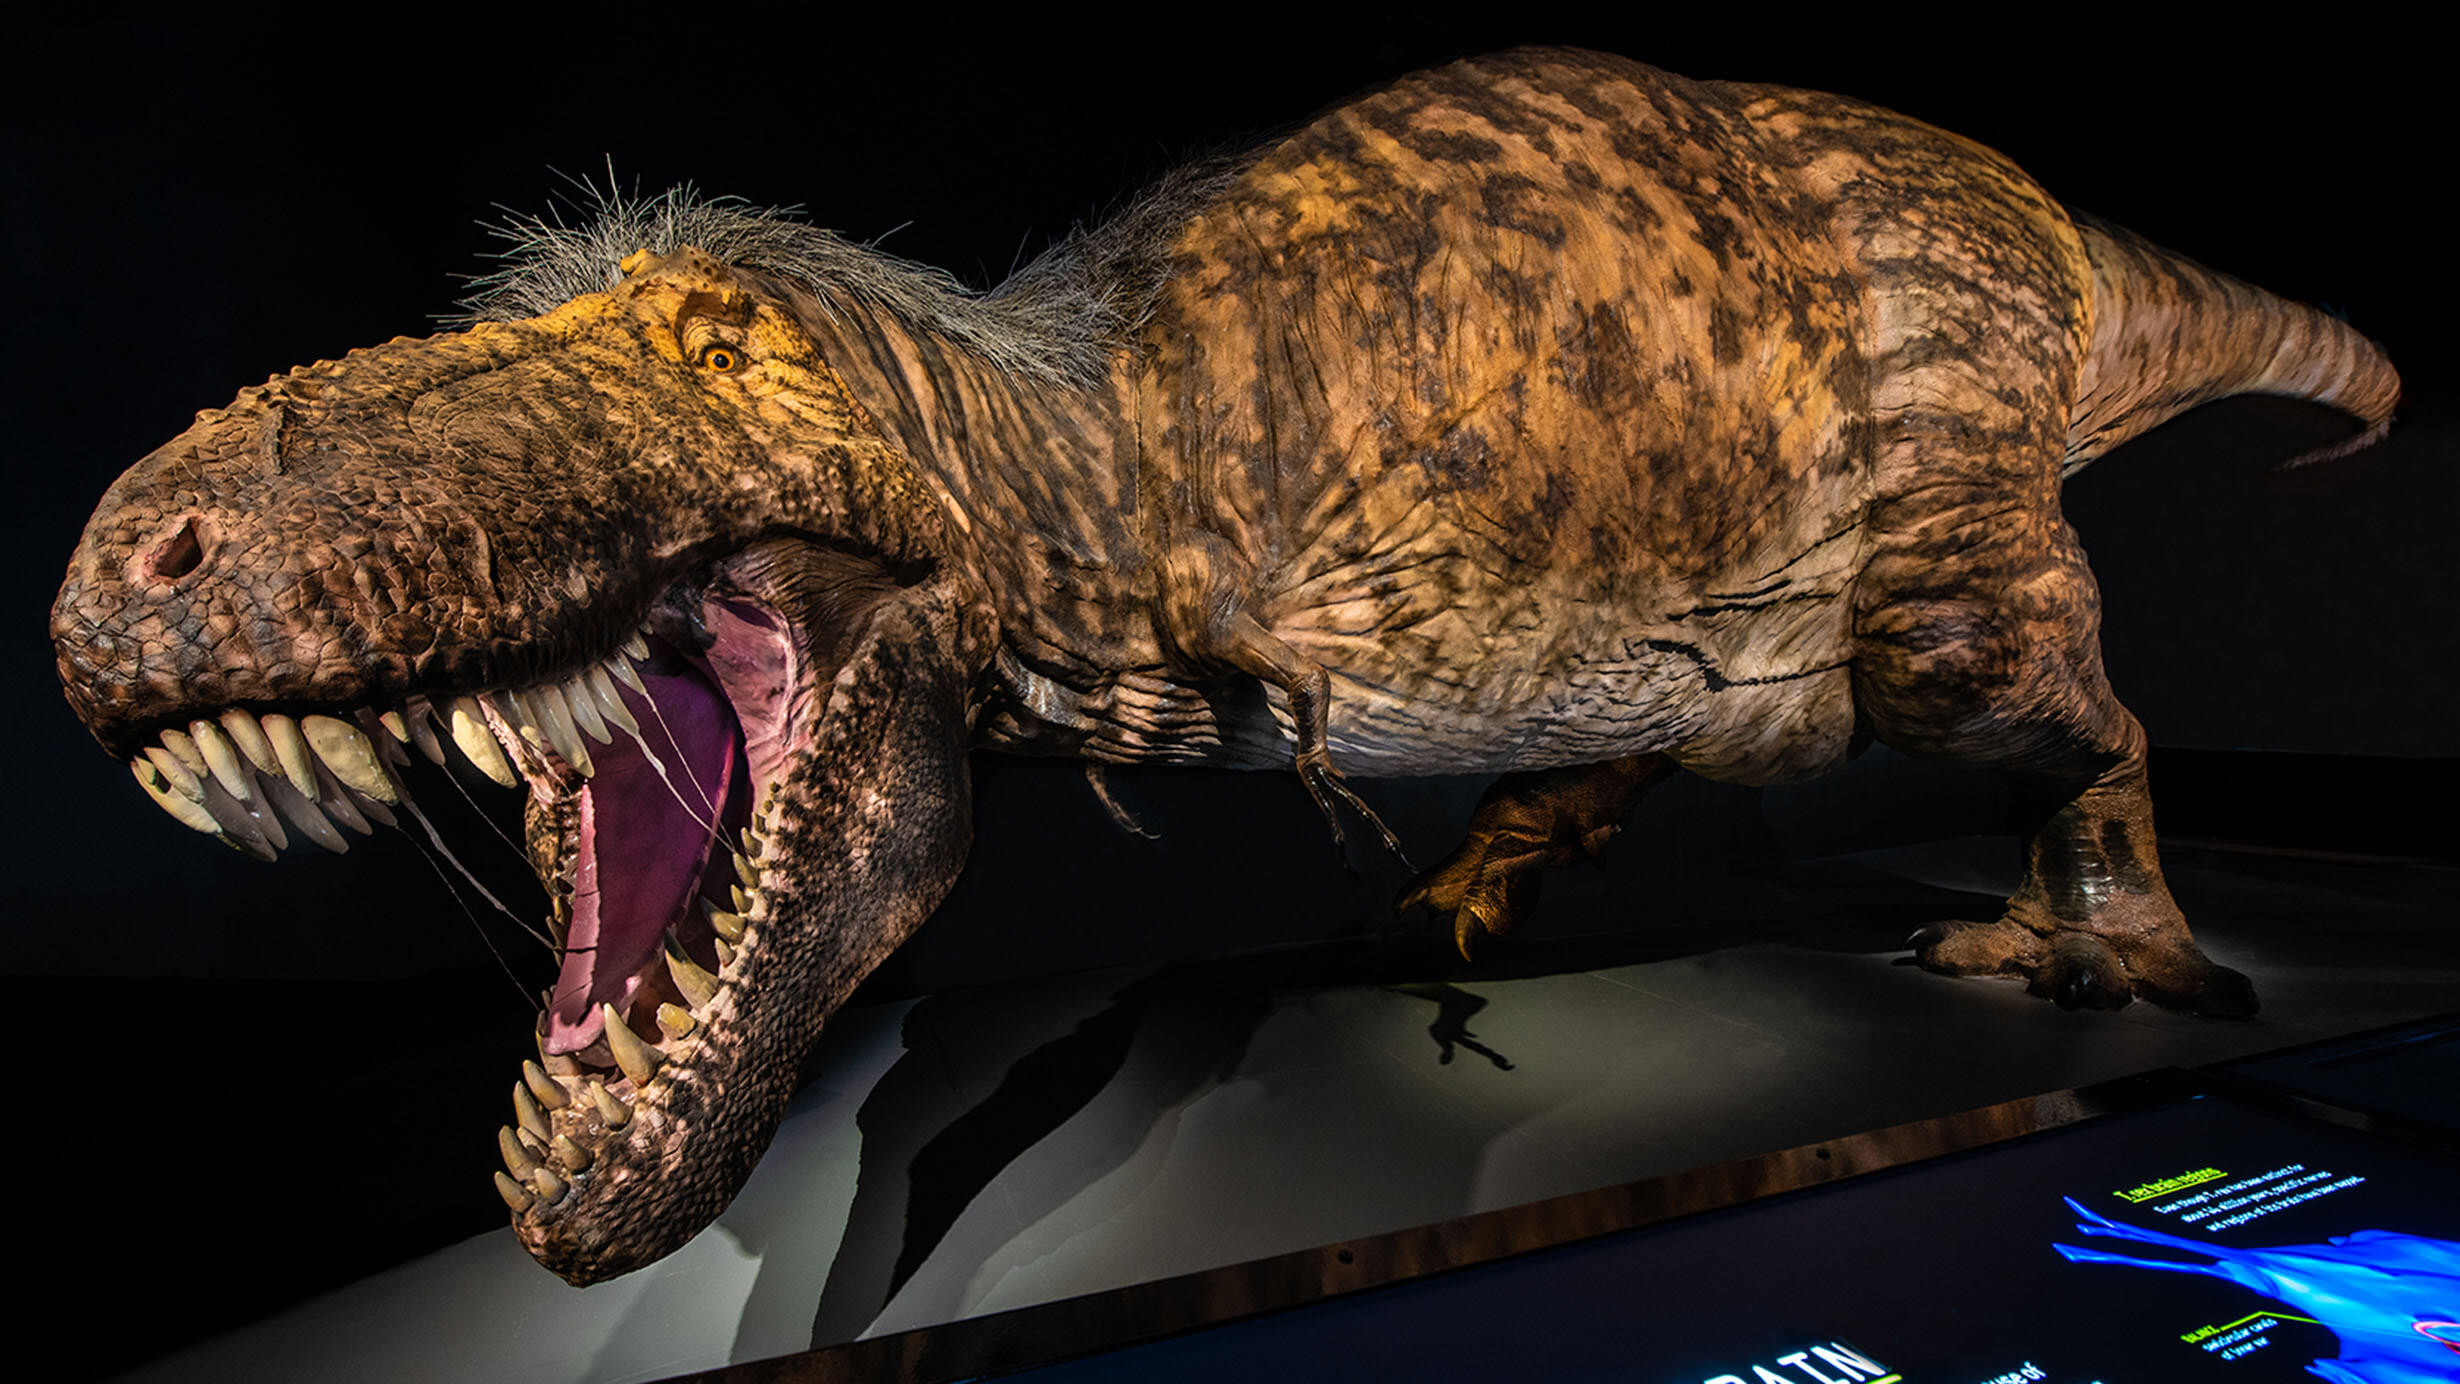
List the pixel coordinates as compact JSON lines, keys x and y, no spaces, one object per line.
{"x":1524,"y":825}
{"x":2076,"y":969}
{"x":1480,"y":889}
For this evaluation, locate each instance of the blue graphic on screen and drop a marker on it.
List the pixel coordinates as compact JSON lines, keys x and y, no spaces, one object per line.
{"x":2393,"y":1300}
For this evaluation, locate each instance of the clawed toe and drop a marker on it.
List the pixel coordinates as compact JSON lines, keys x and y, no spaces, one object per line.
{"x":1958,"y":948}
{"x":2083,"y":973}
{"x":2211,"y":990}
{"x":1479,"y":896}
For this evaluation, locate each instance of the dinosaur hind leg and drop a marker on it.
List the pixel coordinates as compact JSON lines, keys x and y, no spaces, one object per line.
{"x":2005,"y":669}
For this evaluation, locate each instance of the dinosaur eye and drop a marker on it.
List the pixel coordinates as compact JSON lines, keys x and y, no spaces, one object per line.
{"x":724,"y":359}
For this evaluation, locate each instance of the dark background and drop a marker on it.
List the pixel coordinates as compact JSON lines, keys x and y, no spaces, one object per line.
{"x":194,"y":202}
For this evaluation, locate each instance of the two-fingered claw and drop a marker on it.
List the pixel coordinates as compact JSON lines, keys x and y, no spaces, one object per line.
{"x":1324,"y":784}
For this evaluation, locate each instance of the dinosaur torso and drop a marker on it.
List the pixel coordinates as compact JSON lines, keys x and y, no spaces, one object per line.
{"x":1537,"y":399}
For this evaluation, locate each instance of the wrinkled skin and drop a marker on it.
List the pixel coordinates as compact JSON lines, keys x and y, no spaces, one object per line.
{"x":1545,"y":415}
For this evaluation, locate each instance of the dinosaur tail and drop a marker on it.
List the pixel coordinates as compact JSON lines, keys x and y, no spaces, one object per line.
{"x":2169,"y":334}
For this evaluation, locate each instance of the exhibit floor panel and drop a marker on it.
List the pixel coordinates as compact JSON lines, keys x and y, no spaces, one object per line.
{"x":972,"y":1152}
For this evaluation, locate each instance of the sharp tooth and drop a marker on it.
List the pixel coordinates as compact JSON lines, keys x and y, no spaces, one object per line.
{"x":222,"y":759}
{"x":389,"y":751}
{"x":584,"y":709}
{"x":550,"y":1187}
{"x":638,"y":1060}
{"x":697,"y":985}
{"x":726,"y":953}
{"x":674,"y":1021}
{"x":336,"y":803}
{"x":238,"y":828}
{"x":744,"y":870}
{"x":346,"y":751}
{"x":556,"y":714}
{"x":611,"y":1108}
{"x":574,"y":1157}
{"x":303,"y":814}
{"x":743,"y":901}
{"x":179,"y":744}
{"x":250,"y":738}
{"x":622,"y":669}
{"x":175,"y":774}
{"x":212,"y":811}
{"x":469,"y":728}
{"x":291,"y":748}
{"x":729,"y":925}
{"x":526,"y":1112}
{"x":637,"y":647}
{"x":371,"y":809}
{"x":423,"y":731}
{"x":517,"y":1158}
{"x":526,"y":722}
{"x":183,"y":809}
{"x":611,"y":702}
{"x":514,"y":1194}
{"x":260,"y":811}
{"x":394,"y":725}
{"x":555,"y":1064}
{"x":546,"y":1090}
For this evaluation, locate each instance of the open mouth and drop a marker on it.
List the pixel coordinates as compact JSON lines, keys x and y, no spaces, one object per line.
{"x":654,"y":778}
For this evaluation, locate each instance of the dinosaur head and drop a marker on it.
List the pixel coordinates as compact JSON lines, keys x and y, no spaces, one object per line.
{"x":643,"y":555}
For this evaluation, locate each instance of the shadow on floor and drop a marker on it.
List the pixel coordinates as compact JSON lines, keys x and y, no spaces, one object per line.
{"x":928,"y":1155}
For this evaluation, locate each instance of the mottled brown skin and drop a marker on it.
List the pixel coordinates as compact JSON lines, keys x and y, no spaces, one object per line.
{"x":1544,"y":414}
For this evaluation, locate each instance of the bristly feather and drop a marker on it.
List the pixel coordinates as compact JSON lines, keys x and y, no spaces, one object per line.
{"x":1059,"y":318}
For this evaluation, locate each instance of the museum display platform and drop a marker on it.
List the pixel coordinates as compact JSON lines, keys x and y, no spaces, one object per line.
{"x":1928,"y":1251}
{"x":993,"y":1176}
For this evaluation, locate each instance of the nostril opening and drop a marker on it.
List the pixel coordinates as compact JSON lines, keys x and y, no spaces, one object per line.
{"x":177,"y":555}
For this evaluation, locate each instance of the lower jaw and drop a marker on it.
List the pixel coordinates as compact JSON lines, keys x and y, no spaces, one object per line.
{"x":637,"y":1089}
{"x":622,"y":1151}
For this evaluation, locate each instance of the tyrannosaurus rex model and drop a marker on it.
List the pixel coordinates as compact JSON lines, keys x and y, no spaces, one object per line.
{"x":1545,"y":415}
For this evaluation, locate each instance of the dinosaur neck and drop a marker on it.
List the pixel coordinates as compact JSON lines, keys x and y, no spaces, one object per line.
{"x":1040,"y":477}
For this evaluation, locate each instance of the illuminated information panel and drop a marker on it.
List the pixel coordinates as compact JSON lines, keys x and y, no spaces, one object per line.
{"x":2204,"y":1241}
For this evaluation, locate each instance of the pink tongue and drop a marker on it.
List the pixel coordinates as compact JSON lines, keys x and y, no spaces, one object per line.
{"x":642,"y":852}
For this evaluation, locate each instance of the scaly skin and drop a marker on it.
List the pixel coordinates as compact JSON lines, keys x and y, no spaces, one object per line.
{"x":1545,"y":414}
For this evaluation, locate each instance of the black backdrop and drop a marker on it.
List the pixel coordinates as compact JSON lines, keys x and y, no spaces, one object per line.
{"x":193,"y":202}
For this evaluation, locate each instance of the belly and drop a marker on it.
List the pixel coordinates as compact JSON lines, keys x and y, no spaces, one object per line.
{"x":1758,"y":695}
